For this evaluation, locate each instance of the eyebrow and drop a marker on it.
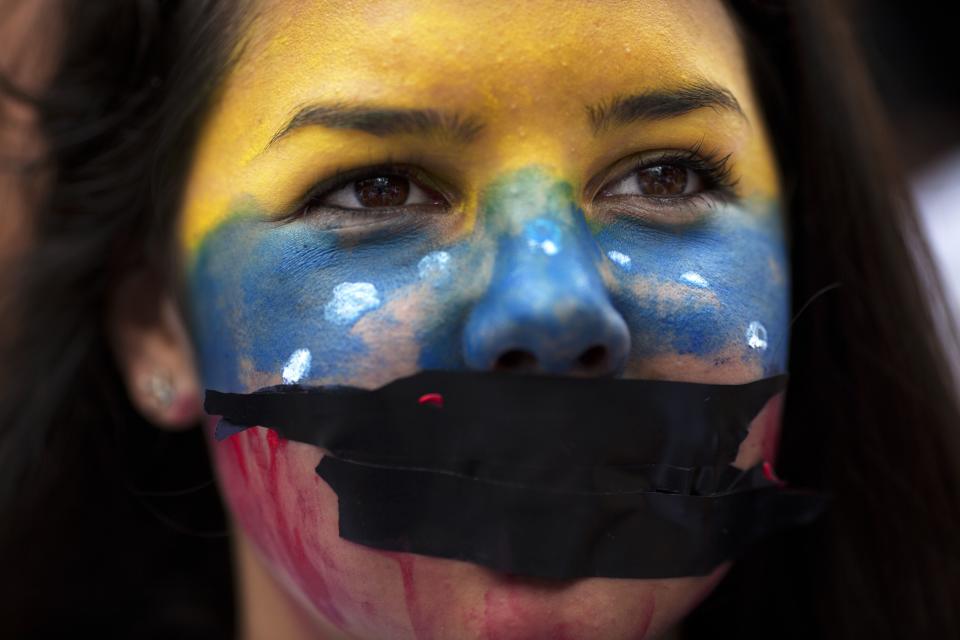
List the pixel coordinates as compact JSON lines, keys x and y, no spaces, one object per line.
{"x":383,"y":122}
{"x":618,"y":111}
{"x":660,"y":105}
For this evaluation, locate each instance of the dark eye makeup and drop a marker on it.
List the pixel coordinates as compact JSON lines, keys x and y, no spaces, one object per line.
{"x":373,"y":196}
{"x":662,"y":187}
{"x":674,"y":187}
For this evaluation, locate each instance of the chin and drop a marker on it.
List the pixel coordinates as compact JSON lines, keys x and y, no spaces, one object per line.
{"x":289,"y":516}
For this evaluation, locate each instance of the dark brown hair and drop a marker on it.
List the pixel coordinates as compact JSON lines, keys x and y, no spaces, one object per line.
{"x":871,"y":415}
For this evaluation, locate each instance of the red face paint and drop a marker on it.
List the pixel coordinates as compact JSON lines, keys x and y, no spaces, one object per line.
{"x":434,"y":399}
{"x":290,"y":516}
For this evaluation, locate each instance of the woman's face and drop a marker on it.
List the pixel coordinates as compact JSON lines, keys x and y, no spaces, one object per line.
{"x":580,"y":188}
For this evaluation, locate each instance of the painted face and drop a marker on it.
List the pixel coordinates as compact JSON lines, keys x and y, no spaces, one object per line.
{"x":387,"y":187}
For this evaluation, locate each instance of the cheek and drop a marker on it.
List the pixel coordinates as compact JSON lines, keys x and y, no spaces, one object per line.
{"x":763,"y":439}
{"x":365,"y":314}
{"x":707,"y":304}
{"x":256,"y":470}
{"x":290,"y":516}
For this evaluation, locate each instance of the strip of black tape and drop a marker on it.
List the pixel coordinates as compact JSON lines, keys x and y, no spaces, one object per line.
{"x":544,"y":476}
{"x":546,"y":431}
{"x":556,"y":534}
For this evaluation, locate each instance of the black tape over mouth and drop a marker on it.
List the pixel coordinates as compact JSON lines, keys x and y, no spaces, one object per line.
{"x":544,"y":476}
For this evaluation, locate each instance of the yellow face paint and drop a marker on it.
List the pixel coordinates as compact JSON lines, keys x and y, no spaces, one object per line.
{"x":526,"y":71}
{"x":273,"y":302}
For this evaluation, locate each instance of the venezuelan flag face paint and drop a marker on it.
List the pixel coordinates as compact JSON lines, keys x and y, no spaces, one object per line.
{"x":386,"y":187}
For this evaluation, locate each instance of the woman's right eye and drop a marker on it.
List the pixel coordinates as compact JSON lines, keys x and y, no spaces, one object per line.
{"x":380,"y":191}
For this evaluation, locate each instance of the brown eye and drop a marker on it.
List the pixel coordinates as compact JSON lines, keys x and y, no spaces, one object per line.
{"x":657,"y":181}
{"x":663,"y":181}
{"x":382,"y":191}
{"x":669,"y":188}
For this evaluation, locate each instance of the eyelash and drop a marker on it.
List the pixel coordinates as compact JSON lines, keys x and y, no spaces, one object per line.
{"x":336,"y":217}
{"x":719,"y":186}
{"x":713,"y":168}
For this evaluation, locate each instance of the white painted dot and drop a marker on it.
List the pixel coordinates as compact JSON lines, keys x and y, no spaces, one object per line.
{"x":695,"y":279}
{"x":434,"y":264}
{"x":543,"y":236}
{"x":350,"y":301}
{"x":549,"y":247}
{"x":621,"y":259}
{"x":757,"y":336}
{"x":298,"y":366}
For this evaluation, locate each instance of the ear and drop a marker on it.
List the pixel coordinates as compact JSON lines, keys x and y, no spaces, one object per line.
{"x":154,"y":353}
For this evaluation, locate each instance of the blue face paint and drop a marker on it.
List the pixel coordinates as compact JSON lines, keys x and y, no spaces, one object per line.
{"x":525,"y":287}
{"x":719,"y":285}
{"x":546,"y":306}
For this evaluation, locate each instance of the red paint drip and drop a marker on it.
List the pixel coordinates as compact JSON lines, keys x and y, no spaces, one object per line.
{"x":419,"y":621}
{"x":771,"y":413}
{"x":647,"y":617}
{"x":316,"y":582}
{"x":300,"y":563}
{"x":769,"y":474}
{"x":434,"y":399}
{"x":240,"y":457}
{"x":274,"y":440}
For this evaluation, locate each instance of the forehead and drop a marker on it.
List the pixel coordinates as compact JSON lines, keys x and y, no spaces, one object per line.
{"x":527,"y":70}
{"x":483,"y":54}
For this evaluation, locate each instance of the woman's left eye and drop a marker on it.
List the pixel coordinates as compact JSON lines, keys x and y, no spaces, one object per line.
{"x":670,"y":188}
{"x":381,"y":191}
{"x":658,"y":181}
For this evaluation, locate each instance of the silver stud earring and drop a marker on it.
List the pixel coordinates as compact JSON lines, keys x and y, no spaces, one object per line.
{"x":160,"y":388}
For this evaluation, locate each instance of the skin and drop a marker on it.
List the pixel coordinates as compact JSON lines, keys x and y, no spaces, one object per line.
{"x":527,"y":267}
{"x":29,"y":69}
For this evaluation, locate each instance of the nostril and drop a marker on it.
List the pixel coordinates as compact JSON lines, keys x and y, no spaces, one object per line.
{"x":515,"y":360}
{"x":593,"y":358}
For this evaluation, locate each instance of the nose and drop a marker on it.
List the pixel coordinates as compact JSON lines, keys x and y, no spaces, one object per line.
{"x":546,"y":309}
